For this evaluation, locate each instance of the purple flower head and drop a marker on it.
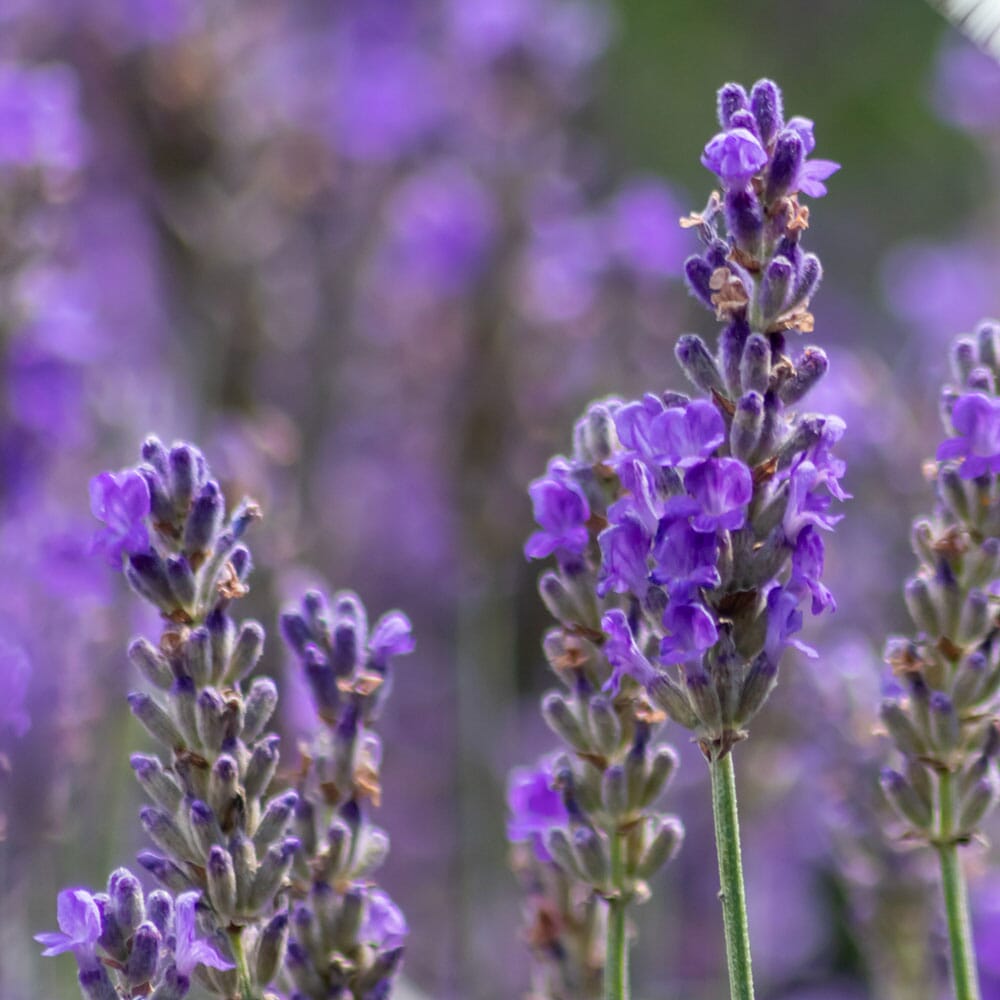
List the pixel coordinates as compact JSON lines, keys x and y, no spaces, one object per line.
{"x":686,"y":436}
{"x":191,"y":950}
{"x":976,"y":418}
{"x":806,"y":505}
{"x":735,"y":156}
{"x":624,"y":551}
{"x":384,"y":925}
{"x":722,"y":488}
{"x":561,"y":510}
{"x":79,"y":926}
{"x":535,"y":807}
{"x":15,"y":672}
{"x":392,"y":636}
{"x":783,"y":621}
{"x":829,"y":467}
{"x":121,"y":501}
{"x":804,"y":128}
{"x":684,"y":558}
{"x":692,"y":630}
{"x":807,"y":568}
{"x":623,"y":654}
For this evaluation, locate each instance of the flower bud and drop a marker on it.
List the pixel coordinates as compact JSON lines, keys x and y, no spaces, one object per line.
{"x":731,"y":98}
{"x":673,"y":700}
{"x":732,"y":342}
{"x":809,"y":369}
{"x":156,"y":782}
{"x":661,"y":769}
{"x":348,"y":923}
{"x":604,"y":726}
{"x":166,"y":834}
{"x":614,"y":792}
{"x":155,"y":720}
{"x":663,"y":847}
{"x":271,"y":949}
{"x":786,"y":162}
{"x":590,"y":851}
{"x":164,"y":871}
{"x":220,"y":875}
{"x":147,"y":575}
{"x":698,"y":364}
{"x":144,"y":656}
{"x":745,"y":219}
{"x":974,"y":620}
{"x":766,"y":106}
{"x":698,"y":274}
{"x":272,"y":871}
{"x":260,"y":705}
{"x":902,"y":731}
{"x":247,"y":651}
{"x":563,"y":722}
{"x":141,"y":965}
{"x":980,"y":800}
{"x":95,"y":984}
{"x":945,"y":730}
{"x":260,"y":770}
{"x":744,"y":435}
{"x":921,"y":605}
{"x":127,"y":904}
{"x":905,"y":800}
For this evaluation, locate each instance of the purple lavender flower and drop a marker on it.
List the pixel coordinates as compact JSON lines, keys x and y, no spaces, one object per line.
{"x":623,"y":654}
{"x":624,"y":551}
{"x":722,"y":489}
{"x":686,"y":436}
{"x":807,"y":569}
{"x":735,"y":155}
{"x":384,"y":925}
{"x":191,"y":950}
{"x":684,"y":557}
{"x":121,"y":501}
{"x":811,"y":175}
{"x":79,"y":927}
{"x":391,"y":636}
{"x":784,"y":619}
{"x":976,"y":418}
{"x":634,"y":423}
{"x":535,"y":807}
{"x":691,"y":629}
{"x":561,"y":510}
{"x":806,"y":505}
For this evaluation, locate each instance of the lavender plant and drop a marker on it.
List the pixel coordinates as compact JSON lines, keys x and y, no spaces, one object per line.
{"x":687,"y":531}
{"x":943,"y":711}
{"x":243,"y":917}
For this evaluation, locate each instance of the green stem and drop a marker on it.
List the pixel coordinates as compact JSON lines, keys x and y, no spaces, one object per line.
{"x":616,"y":961}
{"x":963,"y":958}
{"x":246,"y":987}
{"x":731,"y":891}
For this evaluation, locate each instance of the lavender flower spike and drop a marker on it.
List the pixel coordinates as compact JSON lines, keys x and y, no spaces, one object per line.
{"x":79,"y":927}
{"x":122,"y":502}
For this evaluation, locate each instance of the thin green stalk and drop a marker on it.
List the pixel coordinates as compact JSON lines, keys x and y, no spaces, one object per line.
{"x":616,"y":960}
{"x":246,"y":988}
{"x":963,"y":957}
{"x":731,"y":891}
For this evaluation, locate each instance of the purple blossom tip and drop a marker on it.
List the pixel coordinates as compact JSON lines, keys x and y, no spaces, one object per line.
{"x":392,"y":636}
{"x":535,"y":806}
{"x":191,"y":950}
{"x":79,"y":926}
{"x":121,"y":501}
{"x":384,"y":924}
{"x":561,"y":511}
{"x":735,"y":156}
{"x":976,"y":419}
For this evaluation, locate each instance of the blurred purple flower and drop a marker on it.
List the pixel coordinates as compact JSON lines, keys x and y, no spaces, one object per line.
{"x":967,"y":87}
{"x":384,"y":925}
{"x":191,"y":950}
{"x":535,"y":807}
{"x":735,"y":156}
{"x":392,"y":636}
{"x":121,"y":501}
{"x":976,"y":418}
{"x":79,"y":926}
{"x":811,"y":175}
{"x":15,"y":673}
{"x":642,"y":229}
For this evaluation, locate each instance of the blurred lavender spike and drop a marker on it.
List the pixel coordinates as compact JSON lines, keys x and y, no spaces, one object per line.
{"x":978,"y":19}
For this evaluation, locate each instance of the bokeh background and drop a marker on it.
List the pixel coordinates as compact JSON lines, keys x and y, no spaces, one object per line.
{"x":375,"y":256}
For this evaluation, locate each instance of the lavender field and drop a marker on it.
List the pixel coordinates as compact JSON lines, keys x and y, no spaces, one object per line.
{"x":498,"y":499}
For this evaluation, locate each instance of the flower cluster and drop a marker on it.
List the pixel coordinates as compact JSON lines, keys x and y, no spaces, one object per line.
{"x":266,"y":885}
{"x":347,"y":935}
{"x":129,"y":944}
{"x":695,"y":524}
{"x":943,"y":711}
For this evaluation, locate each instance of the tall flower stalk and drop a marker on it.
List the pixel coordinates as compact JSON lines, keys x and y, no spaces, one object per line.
{"x":943,"y":709}
{"x":688,"y":530}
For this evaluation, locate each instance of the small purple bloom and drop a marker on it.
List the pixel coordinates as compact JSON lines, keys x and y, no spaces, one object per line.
{"x":623,"y":654}
{"x":804,"y":128}
{"x":783,"y":621}
{"x":392,"y":636}
{"x":384,"y":924}
{"x":121,"y":501}
{"x":562,"y":511}
{"x":191,"y":950}
{"x":811,"y":175}
{"x":805,"y":505}
{"x":722,"y":489}
{"x":829,"y":466}
{"x":79,"y":926}
{"x":686,"y":436}
{"x":976,"y":418}
{"x":641,"y":500}
{"x":624,"y":551}
{"x":535,"y":807}
{"x":684,"y":558}
{"x":807,"y":568}
{"x":735,"y":156}
{"x":692,"y":630}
